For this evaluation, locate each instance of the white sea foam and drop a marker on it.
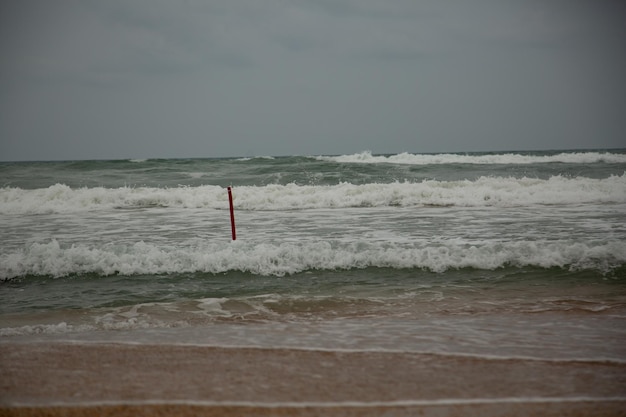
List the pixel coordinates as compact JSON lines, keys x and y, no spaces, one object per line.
{"x":503,"y":158}
{"x":57,"y":328}
{"x":244,"y":159}
{"x":54,"y":259}
{"x":483,"y":192}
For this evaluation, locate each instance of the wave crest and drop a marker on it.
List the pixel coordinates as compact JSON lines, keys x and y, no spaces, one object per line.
{"x":367,"y":157}
{"x":485,"y":191}
{"x":54,"y":259}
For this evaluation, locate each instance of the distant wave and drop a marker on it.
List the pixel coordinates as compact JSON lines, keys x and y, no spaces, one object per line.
{"x":244,"y":159}
{"x":53,"y":258}
{"x":503,"y":158}
{"x":485,"y":191}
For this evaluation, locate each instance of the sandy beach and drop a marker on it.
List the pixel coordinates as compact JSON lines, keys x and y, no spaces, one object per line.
{"x":55,"y":379}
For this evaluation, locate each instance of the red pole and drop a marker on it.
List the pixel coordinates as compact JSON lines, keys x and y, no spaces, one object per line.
{"x":232,"y":213}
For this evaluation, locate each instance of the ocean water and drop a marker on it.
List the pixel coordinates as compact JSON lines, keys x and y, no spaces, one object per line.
{"x":509,"y":254}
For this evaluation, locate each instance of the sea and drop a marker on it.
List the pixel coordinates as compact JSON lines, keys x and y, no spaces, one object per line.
{"x":491,"y":254}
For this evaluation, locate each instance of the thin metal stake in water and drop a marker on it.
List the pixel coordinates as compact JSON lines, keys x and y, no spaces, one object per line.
{"x":232,"y":213}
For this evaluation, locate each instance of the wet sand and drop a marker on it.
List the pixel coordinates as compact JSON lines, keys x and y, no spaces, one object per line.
{"x":64,"y":379}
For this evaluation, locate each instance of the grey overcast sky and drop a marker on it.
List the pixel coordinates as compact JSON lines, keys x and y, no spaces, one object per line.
{"x":92,"y":79}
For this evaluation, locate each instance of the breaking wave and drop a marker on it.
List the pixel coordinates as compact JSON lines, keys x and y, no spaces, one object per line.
{"x":492,"y":158}
{"x":485,"y":191}
{"x":55,"y":259}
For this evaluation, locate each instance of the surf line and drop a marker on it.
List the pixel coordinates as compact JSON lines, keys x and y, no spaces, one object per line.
{"x":331,"y":404}
{"x":232,"y":214}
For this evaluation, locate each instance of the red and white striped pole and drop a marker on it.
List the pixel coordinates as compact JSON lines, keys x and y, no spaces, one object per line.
{"x":232,"y":213}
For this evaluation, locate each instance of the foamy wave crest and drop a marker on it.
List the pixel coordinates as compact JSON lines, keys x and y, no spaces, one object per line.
{"x":504,"y":158}
{"x":58,"y":328}
{"x":244,"y":159}
{"x":485,"y":191}
{"x":54,"y":259}
{"x":61,"y":198}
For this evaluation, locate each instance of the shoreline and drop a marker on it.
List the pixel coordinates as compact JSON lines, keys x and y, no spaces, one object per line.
{"x":596,"y":408}
{"x":55,"y":379}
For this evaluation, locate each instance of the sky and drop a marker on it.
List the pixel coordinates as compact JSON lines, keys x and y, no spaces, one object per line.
{"x":115,"y":79}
